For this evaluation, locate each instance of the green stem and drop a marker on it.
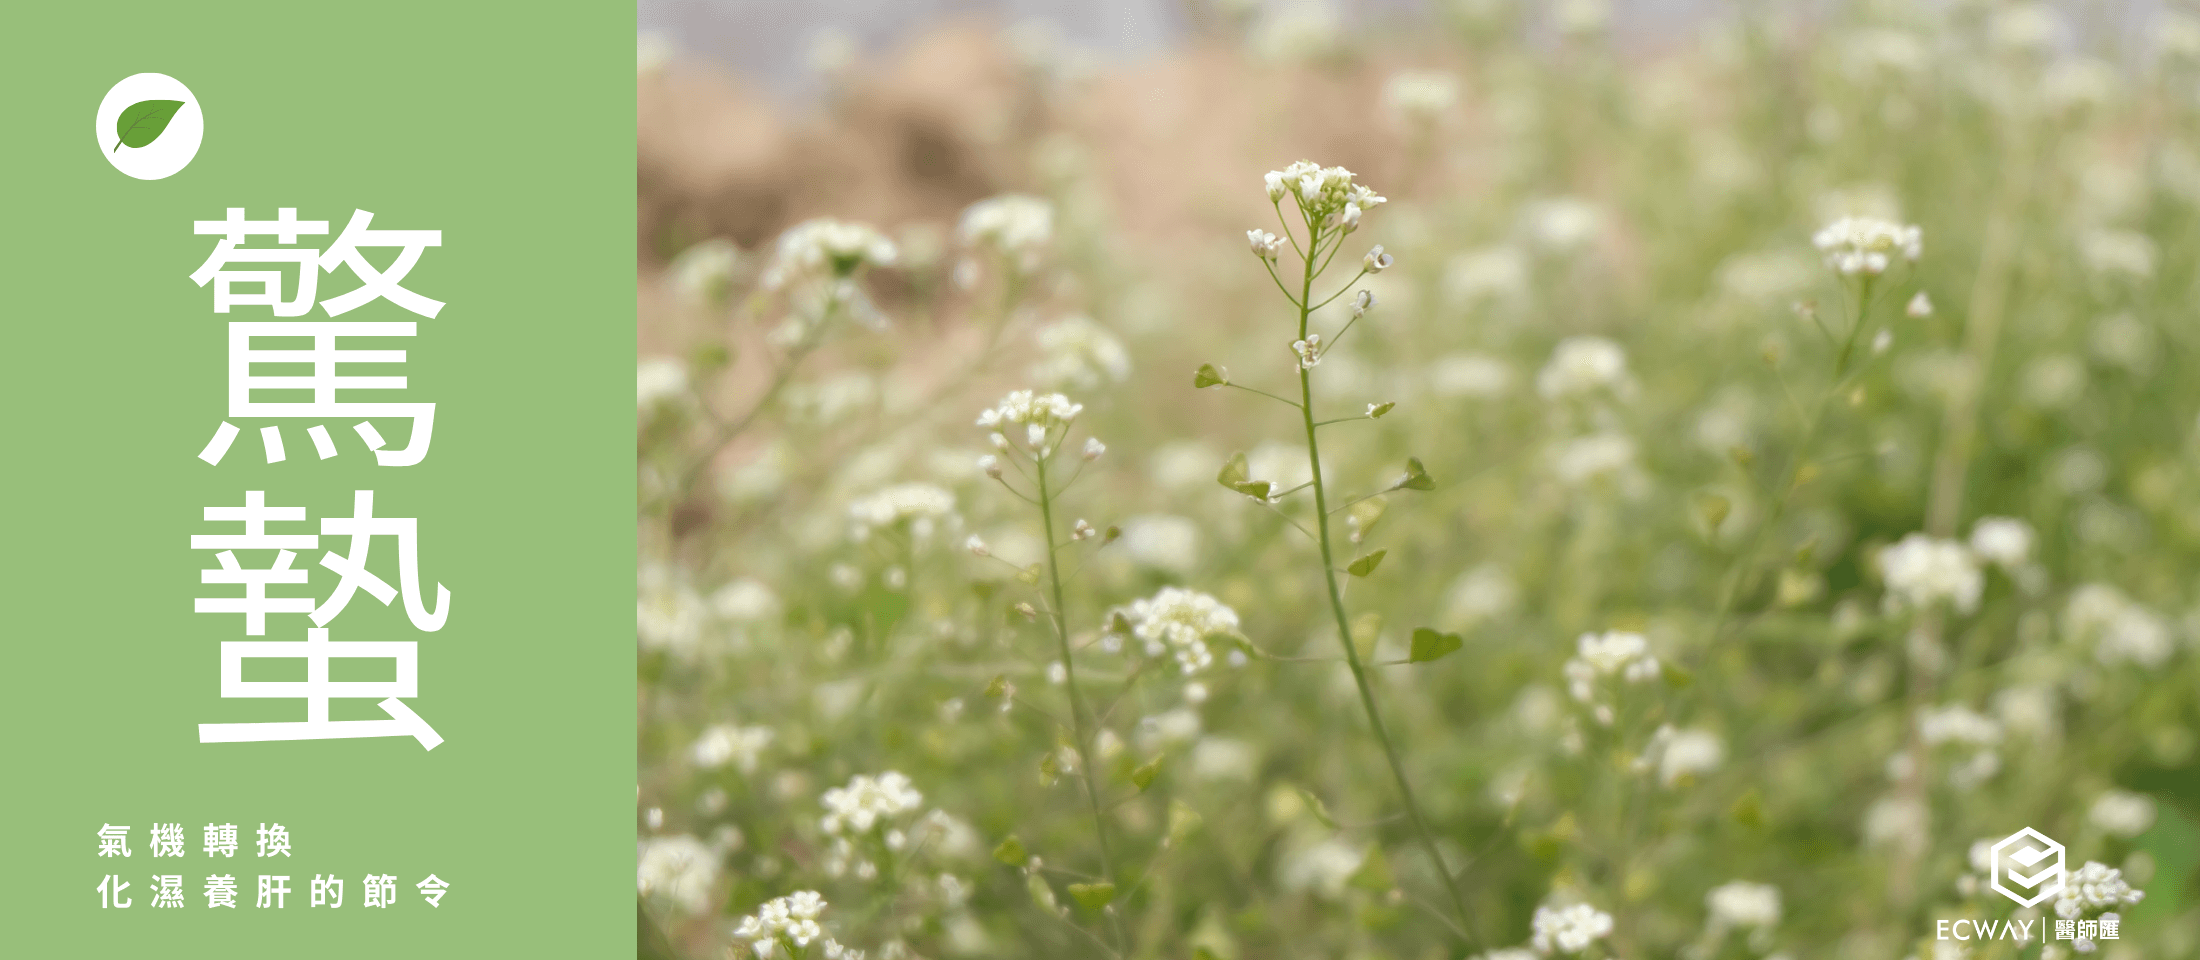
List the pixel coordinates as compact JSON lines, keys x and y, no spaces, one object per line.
{"x":1747,"y":558}
{"x":1344,"y":627}
{"x":1080,"y":719}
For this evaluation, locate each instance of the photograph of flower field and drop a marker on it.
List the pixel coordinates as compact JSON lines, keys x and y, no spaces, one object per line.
{"x":1469,"y":479}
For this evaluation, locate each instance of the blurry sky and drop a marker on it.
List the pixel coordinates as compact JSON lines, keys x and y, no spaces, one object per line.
{"x":771,"y":40}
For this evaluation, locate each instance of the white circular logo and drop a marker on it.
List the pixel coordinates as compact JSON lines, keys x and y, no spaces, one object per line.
{"x":149,"y":126}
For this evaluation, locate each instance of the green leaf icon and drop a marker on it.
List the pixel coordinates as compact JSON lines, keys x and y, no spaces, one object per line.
{"x":143,"y":122}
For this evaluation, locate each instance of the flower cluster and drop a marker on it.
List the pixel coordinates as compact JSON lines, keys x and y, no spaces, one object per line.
{"x":2005,"y":542}
{"x":1327,"y":196}
{"x":1581,"y":366}
{"x":922,"y":505}
{"x":1036,"y":412}
{"x":680,"y":869}
{"x":1957,"y":725}
{"x":1179,"y":621}
{"x":1921,"y":570}
{"x":1014,"y":224}
{"x":1861,"y":246}
{"x":726,"y":743}
{"x":1075,"y":351}
{"x":786,"y":926}
{"x":868,"y":802}
{"x":827,"y":248}
{"x":1569,"y":929}
{"x":1420,"y":98}
{"x":1743,"y":904}
{"x":1679,"y":754}
{"x":2094,"y":888}
{"x":2119,"y":629}
{"x":1616,"y":653}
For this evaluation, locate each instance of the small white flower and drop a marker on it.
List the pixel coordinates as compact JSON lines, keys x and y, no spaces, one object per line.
{"x":1362,"y":302}
{"x":1094,"y":448}
{"x":1266,"y":246}
{"x":990,"y":464}
{"x":1309,"y":350}
{"x":1082,"y":530}
{"x":1920,"y":307}
{"x":1376,"y":260}
{"x":977,"y":547}
{"x":1882,"y":340}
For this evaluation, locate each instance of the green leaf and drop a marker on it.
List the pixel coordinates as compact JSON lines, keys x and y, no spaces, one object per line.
{"x":997,"y":687}
{"x":1050,"y":768}
{"x":1011,"y":852}
{"x":1209,"y":375}
{"x":1257,"y":489}
{"x":1416,"y":477}
{"x":1367,"y":564}
{"x":1315,"y":806}
{"x":1430,"y":645}
{"x":143,"y":122}
{"x":1142,"y":776}
{"x":1376,"y":413}
{"x":1092,"y":896}
{"x":1234,"y":472}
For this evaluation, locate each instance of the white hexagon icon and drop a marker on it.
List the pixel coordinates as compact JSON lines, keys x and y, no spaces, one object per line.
{"x":2030,"y":862}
